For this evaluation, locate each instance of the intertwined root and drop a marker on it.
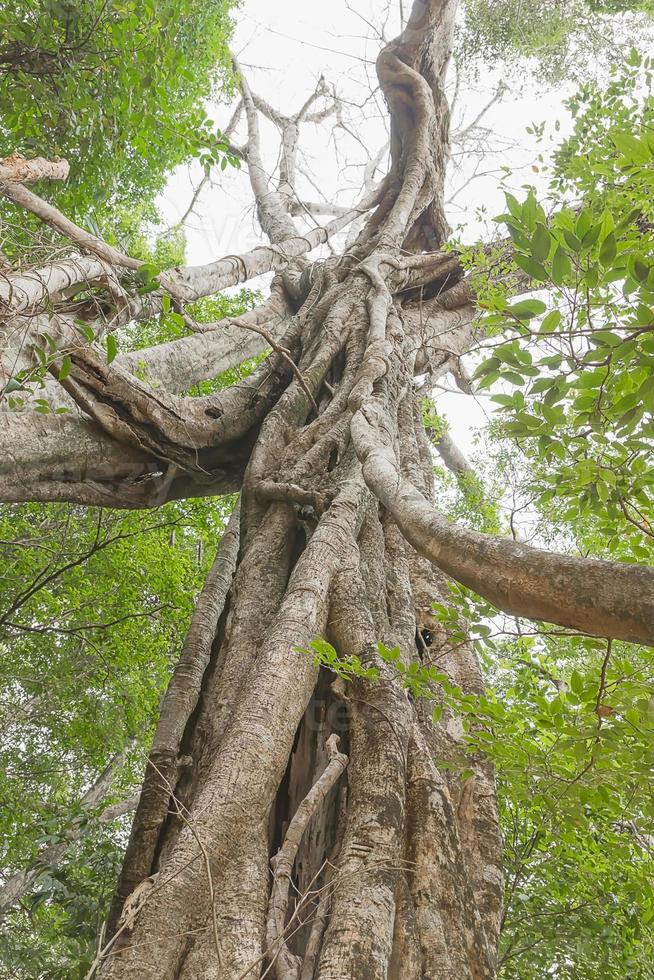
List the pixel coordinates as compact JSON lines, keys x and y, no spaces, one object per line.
{"x":398,"y":864}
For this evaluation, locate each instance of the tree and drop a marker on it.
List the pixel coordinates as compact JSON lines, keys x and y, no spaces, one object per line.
{"x":562,"y":41}
{"x":117,"y":90}
{"x":336,"y":546}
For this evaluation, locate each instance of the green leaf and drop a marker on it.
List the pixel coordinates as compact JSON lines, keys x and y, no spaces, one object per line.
{"x":66,"y":365}
{"x":550,"y":322}
{"x":112,"y":347}
{"x":572,"y":240}
{"x":533,"y":269}
{"x":633,"y":149}
{"x":490,"y":364}
{"x":540,"y":243}
{"x":641,"y":269}
{"x":607,"y":338}
{"x":561,"y":267}
{"x":576,"y":682}
{"x":527,"y":309}
{"x":13,"y":385}
{"x":555,"y":416}
{"x":530,"y":211}
{"x":146,"y":273}
{"x":608,"y":249}
{"x":514,"y":206}
{"x":488,"y":379}
{"x":583,"y":223}
{"x":517,"y":236}
{"x":85,"y":329}
{"x":591,"y":235}
{"x":512,"y":377}
{"x":646,"y":394}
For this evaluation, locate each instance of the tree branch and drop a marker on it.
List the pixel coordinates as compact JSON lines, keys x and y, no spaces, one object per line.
{"x":595,"y":597}
{"x":451,"y":455}
{"x":16,"y":167}
{"x":49,"y":458}
{"x":51,"y":216}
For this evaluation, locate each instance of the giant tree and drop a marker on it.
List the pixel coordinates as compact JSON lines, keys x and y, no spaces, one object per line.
{"x":385,"y":850}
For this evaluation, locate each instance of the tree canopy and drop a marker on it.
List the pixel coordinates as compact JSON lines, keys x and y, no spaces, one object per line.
{"x":119,"y":90}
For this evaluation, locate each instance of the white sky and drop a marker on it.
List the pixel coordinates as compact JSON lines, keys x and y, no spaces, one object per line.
{"x":284,"y":47}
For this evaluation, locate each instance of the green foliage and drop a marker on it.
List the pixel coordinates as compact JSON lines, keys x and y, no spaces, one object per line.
{"x":94,"y":609}
{"x":570,"y":728}
{"x":577,"y":370}
{"x":470,"y":499}
{"x":567,"y":720}
{"x":435,"y":423}
{"x":558,"y":40}
{"x":114,"y":88}
{"x":324,"y":655}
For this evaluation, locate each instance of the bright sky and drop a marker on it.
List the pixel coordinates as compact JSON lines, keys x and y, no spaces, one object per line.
{"x":284,"y":47}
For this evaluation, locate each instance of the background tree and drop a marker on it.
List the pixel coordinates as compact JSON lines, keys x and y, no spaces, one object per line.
{"x":400,"y":874}
{"x":117,"y":89}
{"x":560,"y":41}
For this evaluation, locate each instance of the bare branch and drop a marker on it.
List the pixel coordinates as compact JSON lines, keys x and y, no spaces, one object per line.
{"x":452,"y":456}
{"x":299,"y":208}
{"x":55,"y":219}
{"x":271,"y":211}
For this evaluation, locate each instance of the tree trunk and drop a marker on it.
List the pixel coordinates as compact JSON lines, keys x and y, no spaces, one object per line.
{"x":395,"y":864}
{"x":260,"y":845}
{"x":400,"y":862}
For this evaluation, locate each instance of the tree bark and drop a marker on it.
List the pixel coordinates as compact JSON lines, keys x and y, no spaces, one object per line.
{"x":397,"y":869}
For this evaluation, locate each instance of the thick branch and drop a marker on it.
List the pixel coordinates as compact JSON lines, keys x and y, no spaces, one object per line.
{"x":25,"y":291}
{"x":598,"y":597}
{"x":205,"y":280}
{"x":177,"y":365}
{"x":63,"y":458}
{"x":51,"y":216}
{"x":16,"y":167}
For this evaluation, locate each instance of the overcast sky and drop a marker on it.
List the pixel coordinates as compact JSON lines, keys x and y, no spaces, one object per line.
{"x":284,"y":47}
